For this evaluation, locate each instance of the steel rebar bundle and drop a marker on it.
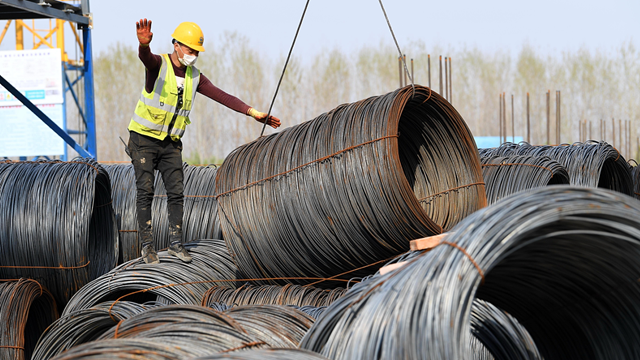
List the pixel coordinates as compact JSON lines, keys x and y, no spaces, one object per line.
{"x":58,"y":224}
{"x":350,"y":187}
{"x":560,"y":259}
{"x":591,"y":164}
{"x":272,"y":295}
{"x":267,"y":354}
{"x":200,"y":219}
{"x":506,"y":175}
{"x":173,"y":280}
{"x":26,"y":309}
{"x":83,"y":326}
{"x":277,"y":326}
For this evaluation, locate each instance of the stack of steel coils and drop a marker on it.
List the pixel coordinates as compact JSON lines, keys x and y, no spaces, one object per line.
{"x":62,"y":230}
{"x":349,"y":188}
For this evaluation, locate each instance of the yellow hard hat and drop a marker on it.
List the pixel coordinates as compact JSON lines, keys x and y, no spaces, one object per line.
{"x":190,"y":34}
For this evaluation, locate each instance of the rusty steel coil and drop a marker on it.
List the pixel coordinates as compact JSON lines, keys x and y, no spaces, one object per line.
{"x":267,"y":354}
{"x":26,"y":310}
{"x":349,"y":188}
{"x":562,"y":260}
{"x":172,"y":280}
{"x":506,"y":175}
{"x":200,"y":218}
{"x":62,"y":230}
{"x":591,"y":164}
{"x":289,"y":294}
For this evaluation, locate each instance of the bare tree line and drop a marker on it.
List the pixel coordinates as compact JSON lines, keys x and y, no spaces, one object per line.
{"x":595,"y":85}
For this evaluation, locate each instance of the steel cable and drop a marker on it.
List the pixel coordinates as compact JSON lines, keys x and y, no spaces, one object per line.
{"x":62,"y":231}
{"x":26,"y":309}
{"x":350,"y":187}
{"x":200,"y":218}
{"x":591,"y":164}
{"x":211,"y":261}
{"x":271,"y":295}
{"x":560,"y":259}
{"x":506,"y":175}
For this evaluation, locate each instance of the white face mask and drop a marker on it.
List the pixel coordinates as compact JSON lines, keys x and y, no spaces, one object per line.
{"x":187,"y":60}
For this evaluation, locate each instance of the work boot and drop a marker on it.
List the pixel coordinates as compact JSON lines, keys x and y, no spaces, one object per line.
{"x":149,"y":254}
{"x":177,"y":250}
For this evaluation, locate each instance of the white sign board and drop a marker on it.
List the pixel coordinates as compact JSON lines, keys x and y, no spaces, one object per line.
{"x":37,"y":74}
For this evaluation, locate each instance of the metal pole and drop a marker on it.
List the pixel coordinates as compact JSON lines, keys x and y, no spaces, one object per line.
{"x":558,"y":119}
{"x":513,"y":122}
{"x":414,"y":79}
{"x":450,"y":84}
{"x":404,"y":72}
{"x":620,"y":135}
{"x":91,"y":144}
{"x":548,"y":117}
{"x":613,"y":125}
{"x":602,"y":132}
{"x":400,"y":70}
{"x":590,"y":133}
{"x":504,"y":118}
{"x":500,"y":116}
{"x":446,"y":79}
{"x":19,"y":35}
{"x":528,"y":121}
{"x":429,"y":68}
{"x":440,"y":69}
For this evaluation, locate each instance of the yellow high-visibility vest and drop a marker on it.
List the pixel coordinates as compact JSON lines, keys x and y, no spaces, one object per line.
{"x":156,"y":111}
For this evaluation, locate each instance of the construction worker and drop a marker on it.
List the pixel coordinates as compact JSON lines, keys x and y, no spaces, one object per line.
{"x":159,"y":121}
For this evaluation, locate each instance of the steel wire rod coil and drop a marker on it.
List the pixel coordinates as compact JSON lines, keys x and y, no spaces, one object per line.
{"x":506,"y":175}
{"x":590,"y":164}
{"x":83,"y":326}
{"x":130,"y":349}
{"x":276,"y":325}
{"x":26,"y":309}
{"x":562,"y":260}
{"x":272,"y":295}
{"x":59,"y":226}
{"x":350,"y":187}
{"x":200,"y":218}
{"x":173,"y":280}
{"x":267,"y":354}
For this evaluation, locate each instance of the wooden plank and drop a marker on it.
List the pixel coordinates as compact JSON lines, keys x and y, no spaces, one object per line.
{"x":388,"y":268}
{"x":428,"y":242}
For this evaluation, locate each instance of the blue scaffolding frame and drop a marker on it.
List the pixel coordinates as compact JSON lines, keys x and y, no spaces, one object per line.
{"x":53,"y":9}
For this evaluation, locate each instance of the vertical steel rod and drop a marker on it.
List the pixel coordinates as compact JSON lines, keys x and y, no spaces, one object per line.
{"x":400,"y":70}
{"x":613,"y":125}
{"x":528,"y":121}
{"x":500,"y":116}
{"x":558,"y":118}
{"x":412,"y":76}
{"x":450,"y":83}
{"x":440,"y":70}
{"x":405,"y":73}
{"x":429,"y":68}
{"x":513,"y":121}
{"x":446,"y":79}
{"x":548,"y":117}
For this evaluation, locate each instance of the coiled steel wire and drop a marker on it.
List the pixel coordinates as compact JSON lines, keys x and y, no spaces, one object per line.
{"x":635,"y":175}
{"x":267,"y":354}
{"x":272,"y":295}
{"x":560,"y":259}
{"x":26,"y":309}
{"x":173,"y":280}
{"x":133,"y":349}
{"x":591,"y":164}
{"x":350,"y":187}
{"x":200,"y":218}
{"x":59,"y":226}
{"x":83,"y":326}
{"x":276,"y":325}
{"x":506,"y":175}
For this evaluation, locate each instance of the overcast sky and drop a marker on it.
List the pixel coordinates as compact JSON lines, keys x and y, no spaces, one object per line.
{"x":550,"y":26}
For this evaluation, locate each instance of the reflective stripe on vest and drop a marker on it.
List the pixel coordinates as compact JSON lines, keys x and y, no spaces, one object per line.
{"x":154,"y":111}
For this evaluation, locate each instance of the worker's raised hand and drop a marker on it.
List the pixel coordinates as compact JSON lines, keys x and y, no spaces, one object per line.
{"x":143,"y":27}
{"x":273,"y":121}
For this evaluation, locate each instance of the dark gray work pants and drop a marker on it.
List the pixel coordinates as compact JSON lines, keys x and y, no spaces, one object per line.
{"x":147,"y":155}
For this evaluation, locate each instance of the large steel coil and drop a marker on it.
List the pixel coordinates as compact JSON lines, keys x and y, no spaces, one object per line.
{"x":506,"y":175}
{"x":200,"y":218}
{"x":350,"y":187}
{"x":590,"y":164}
{"x":83,"y":326}
{"x":59,"y":227}
{"x":276,"y":325}
{"x":26,"y":309}
{"x":562,"y":260}
{"x":267,"y":354}
{"x":129,"y":349}
{"x":272,"y":295}
{"x":173,"y":280}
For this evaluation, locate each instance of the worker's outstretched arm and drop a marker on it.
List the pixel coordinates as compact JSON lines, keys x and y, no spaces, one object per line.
{"x":273,"y":121}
